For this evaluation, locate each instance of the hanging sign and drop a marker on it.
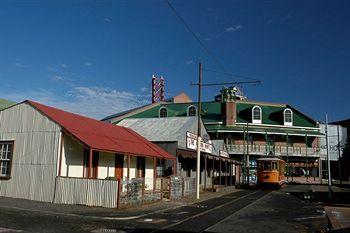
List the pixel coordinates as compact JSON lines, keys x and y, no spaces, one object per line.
{"x":224,"y":154}
{"x":191,"y":139}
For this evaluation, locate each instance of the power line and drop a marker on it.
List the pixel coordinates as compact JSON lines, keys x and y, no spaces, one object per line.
{"x":206,"y":49}
{"x":195,"y":36}
{"x":232,"y":75}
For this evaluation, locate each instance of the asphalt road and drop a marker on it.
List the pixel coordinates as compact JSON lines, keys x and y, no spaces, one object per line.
{"x":243,"y":211}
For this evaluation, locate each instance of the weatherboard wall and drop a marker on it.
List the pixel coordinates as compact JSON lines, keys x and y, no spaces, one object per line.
{"x":36,"y":148}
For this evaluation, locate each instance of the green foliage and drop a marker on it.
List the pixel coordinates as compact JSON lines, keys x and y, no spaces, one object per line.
{"x":346,"y":149}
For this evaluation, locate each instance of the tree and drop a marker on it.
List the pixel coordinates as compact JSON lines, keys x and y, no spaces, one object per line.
{"x":346,"y":149}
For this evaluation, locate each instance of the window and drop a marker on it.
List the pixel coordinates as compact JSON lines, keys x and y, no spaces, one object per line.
{"x":6,"y":151}
{"x":267,"y":166}
{"x":274,"y":165}
{"x":288,"y":117}
{"x":191,"y":111}
{"x":256,"y":115}
{"x":163,"y":112}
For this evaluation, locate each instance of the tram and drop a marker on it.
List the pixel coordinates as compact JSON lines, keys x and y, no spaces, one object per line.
{"x":271,"y":171}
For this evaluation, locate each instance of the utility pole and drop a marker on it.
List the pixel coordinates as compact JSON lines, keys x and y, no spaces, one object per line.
{"x":199,"y":128}
{"x":247,"y":156}
{"x":340,"y":178}
{"x":200,"y":85}
{"x":328,"y":163}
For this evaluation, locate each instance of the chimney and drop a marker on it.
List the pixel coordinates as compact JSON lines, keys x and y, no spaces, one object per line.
{"x":228,"y":112}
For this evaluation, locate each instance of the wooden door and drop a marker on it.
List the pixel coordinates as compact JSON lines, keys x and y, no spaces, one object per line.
{"x":119,"y":164}
{"x":95,"y":159}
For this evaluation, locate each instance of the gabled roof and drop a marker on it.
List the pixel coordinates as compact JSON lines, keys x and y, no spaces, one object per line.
{"x":172,"y":129}
{"x":100,"y":135}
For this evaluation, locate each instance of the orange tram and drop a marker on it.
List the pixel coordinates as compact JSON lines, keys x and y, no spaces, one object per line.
{"x":271,"y":172}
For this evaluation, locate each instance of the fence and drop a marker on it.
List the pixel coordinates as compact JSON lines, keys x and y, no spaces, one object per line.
{"x":90,"y":192}
{"x":278,"y":150}
{"x":135,"y":191}
{"x":121,"y":193}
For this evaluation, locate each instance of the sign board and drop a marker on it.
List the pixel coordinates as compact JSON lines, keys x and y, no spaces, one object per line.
{"x":191,"y":139}
{"x":224,"y":154}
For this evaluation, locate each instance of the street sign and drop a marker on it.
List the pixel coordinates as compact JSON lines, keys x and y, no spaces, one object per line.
{"x":191,"y":139}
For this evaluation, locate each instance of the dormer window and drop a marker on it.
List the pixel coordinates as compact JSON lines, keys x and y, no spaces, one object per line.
{"x":191,"y":111}
{"x":256,"y":115}
{"x":163,"y":112}
{"x":288,"y":117}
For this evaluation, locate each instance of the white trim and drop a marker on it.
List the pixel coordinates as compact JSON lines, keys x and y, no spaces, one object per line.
{"x":213,"y":123}
{"x":270,"y":133}
{"x":189,"y":108}
{"x":291,"y":117}
{"x":256,"y":121}
{"x":282,"y":126}
{"x":161,"y":109}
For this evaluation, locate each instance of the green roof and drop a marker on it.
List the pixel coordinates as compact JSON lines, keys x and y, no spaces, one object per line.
{"x":5,"y":103}
{"x":272,"y":114}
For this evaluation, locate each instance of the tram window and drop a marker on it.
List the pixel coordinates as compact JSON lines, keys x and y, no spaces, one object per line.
{"x":267,"y":166}
{"x":274,"y":165}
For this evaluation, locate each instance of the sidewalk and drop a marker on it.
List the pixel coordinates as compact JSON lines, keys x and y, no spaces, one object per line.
{"x":339,"y":217}
{"x":104,"y":213}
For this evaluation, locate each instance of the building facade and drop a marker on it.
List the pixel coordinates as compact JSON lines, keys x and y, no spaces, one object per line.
{"x":45,"y":149}
{"x":250,"y":129}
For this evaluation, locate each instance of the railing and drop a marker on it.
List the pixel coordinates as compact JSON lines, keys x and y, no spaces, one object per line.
{"x":277,"y":150}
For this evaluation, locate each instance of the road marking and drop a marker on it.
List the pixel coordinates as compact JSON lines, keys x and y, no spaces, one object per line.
{"x":8,"y":230}
{"x":204,"y":212}
{"x":310,"y":217}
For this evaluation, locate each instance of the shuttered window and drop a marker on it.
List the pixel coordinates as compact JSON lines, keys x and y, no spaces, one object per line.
{"x":6,"y":151}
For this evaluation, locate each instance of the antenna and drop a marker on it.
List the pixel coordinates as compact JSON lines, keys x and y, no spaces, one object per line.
{"x":158,"y":89}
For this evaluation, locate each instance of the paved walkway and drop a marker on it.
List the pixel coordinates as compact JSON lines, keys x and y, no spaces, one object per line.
{"x":99,"y":212}
{"x":339,"y":217}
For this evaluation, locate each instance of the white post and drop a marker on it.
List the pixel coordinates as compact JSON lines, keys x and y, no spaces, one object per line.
{"x":198,"y":166}
{"x":328,"y":163}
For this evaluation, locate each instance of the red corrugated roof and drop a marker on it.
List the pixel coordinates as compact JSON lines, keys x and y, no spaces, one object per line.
{"x":102,"y":136}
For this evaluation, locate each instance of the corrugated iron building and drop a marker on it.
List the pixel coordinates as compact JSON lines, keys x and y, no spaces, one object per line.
{"x":39,"y":143}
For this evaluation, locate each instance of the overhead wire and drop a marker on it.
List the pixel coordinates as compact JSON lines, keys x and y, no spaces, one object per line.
{"x":204,"y":46}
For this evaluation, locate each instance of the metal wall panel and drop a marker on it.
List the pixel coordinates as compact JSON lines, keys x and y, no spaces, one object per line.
{"x":90,"y":192}
{"x":36,"y":148}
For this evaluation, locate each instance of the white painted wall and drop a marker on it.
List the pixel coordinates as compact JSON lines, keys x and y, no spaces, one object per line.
{"x":133,"y":167}
{"x":72,"y":158}
{"x":106,"y":165}
{"x":149,"y":173}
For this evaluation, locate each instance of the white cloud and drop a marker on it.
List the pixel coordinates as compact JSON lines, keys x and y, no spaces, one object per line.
{"x":64,"y":65}
{"x":88,"y":63}
{"x":233,"y":28}
{"x":144,"y":89}
{"x":189,"y":62}
{"x":108,"y":20}
{"x":96,"y":102}
{"x":57,"y":78}
{"x":20,"y":65}
{"x":53,"y":69}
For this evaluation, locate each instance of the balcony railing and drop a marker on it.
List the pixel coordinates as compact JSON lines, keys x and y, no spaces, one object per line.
{"x":277,"y":150}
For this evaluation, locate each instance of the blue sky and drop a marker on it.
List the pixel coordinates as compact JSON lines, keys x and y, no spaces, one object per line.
{"x":97,"y":57}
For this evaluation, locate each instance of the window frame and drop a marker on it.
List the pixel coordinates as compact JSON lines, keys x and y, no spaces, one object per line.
{"x":165,"y":112}
{"x":254,"y":121}
{"x":188,"y":110}
{"x":287,"y":123}
{"x":12,"y":142}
